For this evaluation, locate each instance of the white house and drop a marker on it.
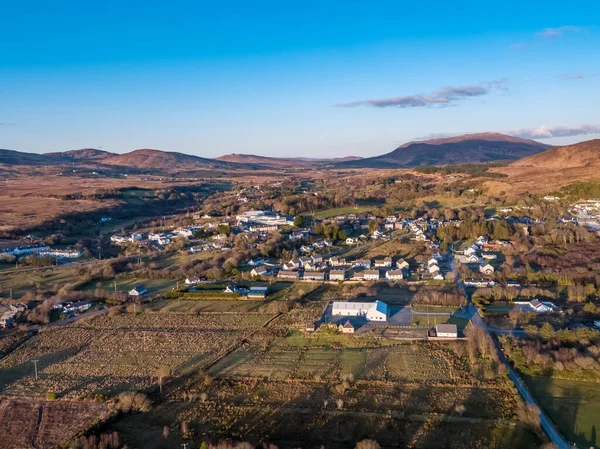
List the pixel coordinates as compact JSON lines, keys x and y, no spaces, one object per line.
{"x":536,"y":306}
{"x":384,"y":263}
{"x":371,"y":275}
{"x":351,"y":241}
{"x":138,"y":290}
{"x":260,"y":271}
{"x":394,"y":275}
{"x":337,"y":275}
{"x":192,"y":281}
{"x":362,"y":263}
{"x":287,"y":275}
{"x":446,"y":331}
{"x":372,"y":311}
{"x":402,"y":264}
{"x":313,"y":276}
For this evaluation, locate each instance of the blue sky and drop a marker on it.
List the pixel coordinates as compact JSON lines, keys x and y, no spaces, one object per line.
{"x":313,"y":79}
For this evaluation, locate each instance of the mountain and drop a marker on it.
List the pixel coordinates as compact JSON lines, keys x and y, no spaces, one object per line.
{"x":550,"y":170}
{"x":467,"y":148}
{"x":157,"y":159}
{"x":85,"y":154}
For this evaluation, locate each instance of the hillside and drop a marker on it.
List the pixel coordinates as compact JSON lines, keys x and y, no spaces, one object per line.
{"x":548,"y":171}
{"x":12,"y":157}
{"x":468,"y":148}
{"x":160,"y":160}
{"x":88,"y":154}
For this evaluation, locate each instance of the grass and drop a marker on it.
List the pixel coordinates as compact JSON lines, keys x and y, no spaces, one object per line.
{"x":432,"y":320}
{"x":21,"y":283}
{"x":328,"y":213}
{"x":154,"y":286}
{"x":199,"y":306}
{"x":573,"y":406}
{"x":434,"y":309}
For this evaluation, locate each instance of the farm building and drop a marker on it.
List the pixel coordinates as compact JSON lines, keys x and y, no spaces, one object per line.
{"x":446,"y":331}
{"x":258,"y":292}
{"x":372,"y":311}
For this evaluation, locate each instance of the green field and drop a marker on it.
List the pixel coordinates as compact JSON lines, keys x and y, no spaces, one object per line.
{"x":154,"y":286}
{"x":328,"y":213}
{"x":199,"y":306}
{"x":21,"y":283}
{"x":573,"y":406}
{"x":432,"y":320}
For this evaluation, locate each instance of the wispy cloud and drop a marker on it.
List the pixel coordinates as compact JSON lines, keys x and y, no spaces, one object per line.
{"x":445,"y":96}
{"x":547,"y":132}
{"x":551,"y":33}
{"x":7,"y":124}
{"x":572,"y":76}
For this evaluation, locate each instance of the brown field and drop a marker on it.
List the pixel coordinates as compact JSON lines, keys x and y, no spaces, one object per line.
{"x":34,"y":424}
{"x":534,"y":180}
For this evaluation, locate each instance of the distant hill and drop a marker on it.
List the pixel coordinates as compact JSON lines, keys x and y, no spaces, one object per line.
{"x":552,"y":169}
{"x":85,"y":154}
{"x":467,"y":148}
{"x":12,"y":157}
{"x":159,"y":160}
{"x":281,"y":162}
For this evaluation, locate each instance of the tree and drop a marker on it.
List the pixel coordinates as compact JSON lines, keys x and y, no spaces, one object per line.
{"x":590,"y":308}
{"x":531,"y":330}
{"x":547,"y":331}
{"x":368,"y":444}
{"x":299,"y":221}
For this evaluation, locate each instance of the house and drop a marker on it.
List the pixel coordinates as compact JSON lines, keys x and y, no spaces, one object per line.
{"x":337,"y":261}
{"x":446,"y":331}
{"x":192,"y":281}
{"x":291,"y":265}
{"x":377,"y":234}
{"x":471,"y":258}
{"x":256,"y":262}
{"x":257,"y":292}
{"x":362,"y":263}
{"x":337,"y":275}
{"x":317,"y":258}
{"x":433,"y":269}
{"x":402,"y":264}
{"x":7,"y":319}
{"x":346,"y":328}
{"x":304,"y":260}
{"x":489,"y":256}
{"x":313,"y":276}
{"x":384,"y":263}
{"x":478,"y":283}
{"x":372,"y":311}
{"x":358,"y":276}
{"x":351,"y":241}
{"x":371,"y":275}
{"x":513,"y":284}
{"x":470,"y":251}
{"x":486,"y":268}
{"x":536,"y":306}
{"x":287,"y":275}
{"x":80,"y":306}
{"x":310,"y":266}
{"x":394,"y":275}
{"x":138,"y":290}
{"x":260,"y":271}
{"x":232,"y":288}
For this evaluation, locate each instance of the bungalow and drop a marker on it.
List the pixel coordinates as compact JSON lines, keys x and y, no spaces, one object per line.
{"x":394,"y":275}
{"x":446,"y":331}
{"x":471,"y":258}
{"x":192,"y":281}
{"x":260,"y":271}
{"x":486,"y":268}
{"x":362,"y":263}
{"x":371,"y":275}
{"x":513,"y":284}
{"x":489,"y":256}
{"x":536,"y":306}
{"x":138,"y":290}
{"x":313,"y":276}
{"x":291,"y":265}
{"x":337,"y":261}
{"x":256,"y":262}
{"x":479,"y":283}
{"x":433,"y":269}
{"x":351,"y":241}
{"x":346,"y":328}
{"x":337,"y":275}
{"x":257,"y":292}
{"x":287,"y":275}
{"x":384,"y":263}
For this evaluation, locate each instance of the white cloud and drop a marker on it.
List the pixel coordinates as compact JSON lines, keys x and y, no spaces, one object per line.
{"x":547,"y":132}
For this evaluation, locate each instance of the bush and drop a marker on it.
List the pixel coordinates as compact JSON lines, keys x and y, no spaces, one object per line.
{"x":51,"y":396}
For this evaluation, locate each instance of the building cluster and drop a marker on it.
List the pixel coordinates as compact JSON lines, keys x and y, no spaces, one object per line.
{"x":42,"y":251}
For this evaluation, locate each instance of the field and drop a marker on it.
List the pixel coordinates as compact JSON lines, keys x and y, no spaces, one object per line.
{"x":335,"y":390}
{"x":26,"y":423}
{"x":199,"y":306}
{"x":573,"y":406}
{"x":339,"y":211}
{"x":154,"y":286}
{"x":111,"y":354}
{"x":21,"y":283}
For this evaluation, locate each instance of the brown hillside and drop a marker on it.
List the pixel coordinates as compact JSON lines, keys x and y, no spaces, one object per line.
{"x":555,"y":168}
{"x":157,"y":159}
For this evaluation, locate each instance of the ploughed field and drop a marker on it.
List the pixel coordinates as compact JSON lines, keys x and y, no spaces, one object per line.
{"x":110,"y":354}
{"x":28,"y":423}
